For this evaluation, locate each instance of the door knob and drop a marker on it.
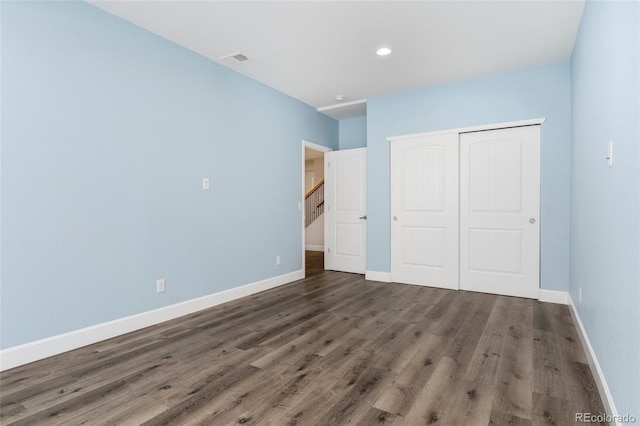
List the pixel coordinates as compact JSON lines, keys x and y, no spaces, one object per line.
{"x":363,"y":217}
{"x":532,"y":221}
{"x":395,"y":218}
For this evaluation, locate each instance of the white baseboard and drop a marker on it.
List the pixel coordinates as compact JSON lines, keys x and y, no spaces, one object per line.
{"x":601,"y":383}
{"x":312,"y":247}
{"x":553,"y":296}
{"x":40,"y":349}
{"x":550,"y":296}
{"x":384,"y":277}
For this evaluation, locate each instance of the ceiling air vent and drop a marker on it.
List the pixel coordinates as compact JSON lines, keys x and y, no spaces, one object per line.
{"x":234,"y":59}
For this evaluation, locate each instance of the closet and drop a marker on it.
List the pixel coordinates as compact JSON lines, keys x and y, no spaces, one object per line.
{"x":465,"y":209}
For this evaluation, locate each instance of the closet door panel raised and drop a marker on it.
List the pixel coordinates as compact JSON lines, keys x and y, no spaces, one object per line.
{"x":499,"y":211}
{"x":424,"y":210}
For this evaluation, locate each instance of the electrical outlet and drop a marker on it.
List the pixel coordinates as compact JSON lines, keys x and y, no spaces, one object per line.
{"x":580,"y":295}
{"x":277,"y":260}
{"x":206,"y":184}
{"x":160,"y":286}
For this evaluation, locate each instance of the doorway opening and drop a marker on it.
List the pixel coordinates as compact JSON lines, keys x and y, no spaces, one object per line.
{"x":312,"y":205}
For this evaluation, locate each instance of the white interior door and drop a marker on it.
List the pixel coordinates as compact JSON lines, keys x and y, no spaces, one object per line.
{"x":345,"y":179}
{"x":499,"y":211}
{"x":424,"y":210}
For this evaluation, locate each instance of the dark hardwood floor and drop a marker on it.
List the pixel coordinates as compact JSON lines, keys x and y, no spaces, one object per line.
{"x":330,"y":349}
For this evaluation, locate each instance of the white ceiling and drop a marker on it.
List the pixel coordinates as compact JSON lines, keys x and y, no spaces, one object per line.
{"x":315,"y":50}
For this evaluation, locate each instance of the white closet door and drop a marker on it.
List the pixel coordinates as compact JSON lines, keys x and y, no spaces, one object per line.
{"x":499,"y":211}
{"x":346,"y":210}
{"x":424,"y":211}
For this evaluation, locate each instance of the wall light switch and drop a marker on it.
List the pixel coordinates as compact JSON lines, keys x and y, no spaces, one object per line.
{"x":610,"y":154}
{"x":206,"y":184}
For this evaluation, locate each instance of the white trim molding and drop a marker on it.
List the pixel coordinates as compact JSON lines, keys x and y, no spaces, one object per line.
{"x":553,"y":296}
{"x":342,"y":105}
{"x":594,"y":365}
{"x":312,"y":247}
{"x":40,"y":349}
{"x":480,"y":128}
{"x":384,"y":277}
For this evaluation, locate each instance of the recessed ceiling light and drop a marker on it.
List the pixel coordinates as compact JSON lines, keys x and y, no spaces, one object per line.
{"x":383,"y":51}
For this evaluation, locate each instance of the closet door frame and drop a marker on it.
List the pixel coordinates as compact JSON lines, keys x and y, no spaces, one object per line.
{"x":458,"y":131}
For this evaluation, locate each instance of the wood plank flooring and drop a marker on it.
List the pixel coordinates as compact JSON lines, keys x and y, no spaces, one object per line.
{"x":331,"y":349}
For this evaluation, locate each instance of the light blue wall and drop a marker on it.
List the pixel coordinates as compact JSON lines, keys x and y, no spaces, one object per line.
{"x":353,"y":133}
{"x":107,"y":132}
{"x":605,"y":202}
{"x":531,"y":93}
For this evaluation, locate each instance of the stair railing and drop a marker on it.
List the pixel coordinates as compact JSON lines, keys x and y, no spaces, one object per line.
{"x":314,"y":203}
